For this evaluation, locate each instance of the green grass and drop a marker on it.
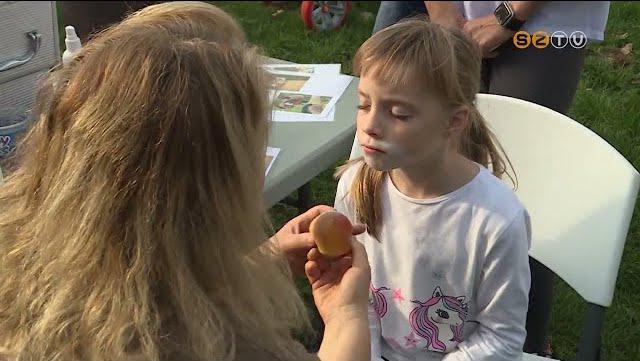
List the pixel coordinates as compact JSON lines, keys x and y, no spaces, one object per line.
{"x":607,"y":101}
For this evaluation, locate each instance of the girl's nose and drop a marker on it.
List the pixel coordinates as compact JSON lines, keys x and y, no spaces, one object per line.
{"x":371,"y":124}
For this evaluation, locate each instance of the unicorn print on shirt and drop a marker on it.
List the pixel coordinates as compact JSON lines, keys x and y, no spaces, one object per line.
{"x":439,"y":320}
{"x":378,"y":300}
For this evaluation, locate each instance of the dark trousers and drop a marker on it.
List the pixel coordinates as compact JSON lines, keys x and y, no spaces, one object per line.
{"x":548,"y":77}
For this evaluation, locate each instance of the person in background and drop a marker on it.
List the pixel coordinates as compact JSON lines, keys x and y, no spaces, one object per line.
{"x":133,"y":228}
{"x":548,"y":77}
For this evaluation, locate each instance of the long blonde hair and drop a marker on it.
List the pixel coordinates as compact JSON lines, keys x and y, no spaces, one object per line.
{"x":132,"y":228}
{"x":447,"y":64}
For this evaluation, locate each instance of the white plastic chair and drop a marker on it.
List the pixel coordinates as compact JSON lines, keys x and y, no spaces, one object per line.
{"x":580,"y":193}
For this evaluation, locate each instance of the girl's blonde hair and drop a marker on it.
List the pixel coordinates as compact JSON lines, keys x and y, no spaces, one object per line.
{"x":132,"y":228}
{"x":448,"y":65}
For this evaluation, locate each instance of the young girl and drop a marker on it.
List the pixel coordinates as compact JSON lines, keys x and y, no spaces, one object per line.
{"x":447,"y":240}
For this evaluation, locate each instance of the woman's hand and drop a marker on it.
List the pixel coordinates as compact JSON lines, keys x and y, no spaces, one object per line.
{"x":340,"y":287}
{"x":295,"y":241}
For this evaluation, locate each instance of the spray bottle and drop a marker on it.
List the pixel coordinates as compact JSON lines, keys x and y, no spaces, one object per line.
{"x":72,"y":43}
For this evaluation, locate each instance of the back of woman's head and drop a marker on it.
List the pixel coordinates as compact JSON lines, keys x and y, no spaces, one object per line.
{"x":441,"y":62}
{"x":130,"y":229}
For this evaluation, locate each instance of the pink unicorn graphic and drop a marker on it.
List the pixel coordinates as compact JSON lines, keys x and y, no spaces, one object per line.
{"x":379,"y":300}
{"x":440,"y":318}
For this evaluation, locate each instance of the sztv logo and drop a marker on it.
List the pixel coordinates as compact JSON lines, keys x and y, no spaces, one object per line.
{"x":541,"y":39}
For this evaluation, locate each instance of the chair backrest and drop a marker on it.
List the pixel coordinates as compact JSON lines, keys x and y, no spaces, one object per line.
{"x":579,"y":191}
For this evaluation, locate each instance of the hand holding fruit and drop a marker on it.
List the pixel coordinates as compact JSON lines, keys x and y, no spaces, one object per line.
{"x":295,"y":241}
{"x":332,"y":232}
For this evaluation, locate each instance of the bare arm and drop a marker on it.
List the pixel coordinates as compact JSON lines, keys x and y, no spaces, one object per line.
{"x":347,"y":339}
{"x":340,"y":290}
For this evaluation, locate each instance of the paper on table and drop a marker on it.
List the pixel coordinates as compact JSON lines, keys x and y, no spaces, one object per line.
{"x":329,"y":118}
{"x":333,"y":86}
{"x":336,"y":89}
{"x":319,"y":83}
{"x":270,"y":158}
{"x":305,"y":68}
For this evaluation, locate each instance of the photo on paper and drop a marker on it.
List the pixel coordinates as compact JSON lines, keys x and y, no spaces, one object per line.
{"x":270,"y":158}
{"x":293,"y":68}
{"x":302,"y":103}
{"x":288,"y":82}
{"x":309,"y":69}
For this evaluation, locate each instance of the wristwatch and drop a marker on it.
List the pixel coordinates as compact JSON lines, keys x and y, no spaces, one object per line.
{"x":507,"y":17}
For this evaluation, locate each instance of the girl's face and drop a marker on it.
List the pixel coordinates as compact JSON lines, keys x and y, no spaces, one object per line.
{"x":400,"y":127}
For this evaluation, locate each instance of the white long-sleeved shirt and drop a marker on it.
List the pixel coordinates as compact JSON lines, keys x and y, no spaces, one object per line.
{"x":450,"y":275}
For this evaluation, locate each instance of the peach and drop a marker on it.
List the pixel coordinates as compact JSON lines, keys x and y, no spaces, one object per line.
{"x":332,"y":233}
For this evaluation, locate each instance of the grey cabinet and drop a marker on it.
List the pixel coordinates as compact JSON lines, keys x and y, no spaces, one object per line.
{"x":29,"y":47}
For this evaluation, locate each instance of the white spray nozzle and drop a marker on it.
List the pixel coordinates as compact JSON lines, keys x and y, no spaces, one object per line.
{"x":71,"y":32}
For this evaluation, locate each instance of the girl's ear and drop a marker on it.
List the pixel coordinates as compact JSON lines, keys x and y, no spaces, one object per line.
{"x":458,"y":119}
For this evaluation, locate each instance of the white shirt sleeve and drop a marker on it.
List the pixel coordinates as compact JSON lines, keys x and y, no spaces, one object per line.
{"x":502,"y":299}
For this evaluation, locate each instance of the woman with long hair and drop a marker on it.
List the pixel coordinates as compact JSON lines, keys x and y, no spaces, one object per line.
{"x":134,"y":227}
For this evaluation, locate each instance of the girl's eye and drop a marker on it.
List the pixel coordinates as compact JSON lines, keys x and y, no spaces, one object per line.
{"x":399,"y":113}
{"x":363,"y":107}
{"x":400,"y":117}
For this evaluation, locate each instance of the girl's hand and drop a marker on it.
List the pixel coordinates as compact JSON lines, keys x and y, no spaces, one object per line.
{"x":340,"y":287}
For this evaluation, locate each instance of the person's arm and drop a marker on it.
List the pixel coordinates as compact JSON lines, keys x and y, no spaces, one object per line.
{"x":346,"y":338}
{"x":445,"y":13}
{"x":502,"y":299}
{"x":340,"y":289}
{"x":489,"y":34}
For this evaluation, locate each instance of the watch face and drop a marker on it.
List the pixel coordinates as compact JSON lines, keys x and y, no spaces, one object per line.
{"x":503,"y":14}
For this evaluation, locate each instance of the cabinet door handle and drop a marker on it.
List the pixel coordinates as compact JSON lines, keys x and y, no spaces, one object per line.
{"x":35,"y":39}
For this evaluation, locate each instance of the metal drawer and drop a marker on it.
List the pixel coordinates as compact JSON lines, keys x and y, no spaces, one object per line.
{"x":21,"y":93}
{"x":17,"y":20}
